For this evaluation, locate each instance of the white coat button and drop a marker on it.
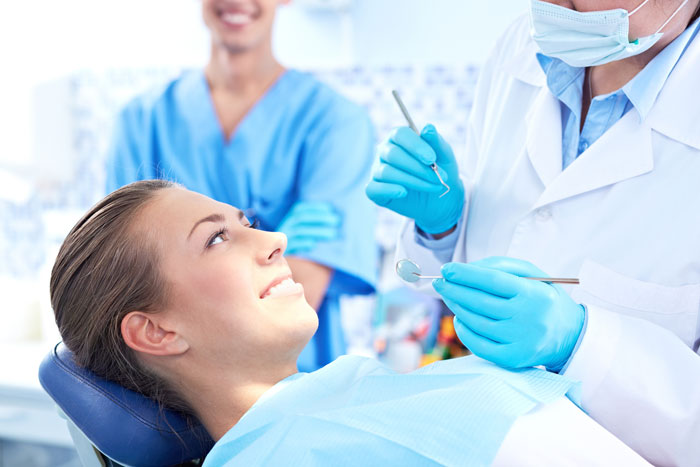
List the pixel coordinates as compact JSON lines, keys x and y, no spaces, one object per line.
{"x":543,"y":214}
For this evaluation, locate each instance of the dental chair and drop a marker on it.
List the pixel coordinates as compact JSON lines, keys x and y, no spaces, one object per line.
{"x":113,"y":426}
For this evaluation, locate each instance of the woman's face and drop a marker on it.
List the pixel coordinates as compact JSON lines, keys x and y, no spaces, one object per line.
{"x":647,"y":20}
{"x":230,"y":292}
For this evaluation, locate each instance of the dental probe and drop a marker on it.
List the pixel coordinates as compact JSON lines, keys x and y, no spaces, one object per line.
{"x":413,"y":127}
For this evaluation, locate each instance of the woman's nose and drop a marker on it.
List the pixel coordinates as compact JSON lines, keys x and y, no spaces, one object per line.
{"x":277,"y":246}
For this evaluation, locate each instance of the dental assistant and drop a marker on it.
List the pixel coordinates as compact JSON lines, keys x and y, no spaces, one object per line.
{"x":583,"y":160}
{"x":289,"y":150}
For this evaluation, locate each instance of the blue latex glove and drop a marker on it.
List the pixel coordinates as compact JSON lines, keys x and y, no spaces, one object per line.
{"x":308,"y":223}
{"x":511,"y":321}
{"x":403,"y":181}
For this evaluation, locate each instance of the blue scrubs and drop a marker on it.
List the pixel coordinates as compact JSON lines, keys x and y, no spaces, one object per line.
{"x":300,"y":142}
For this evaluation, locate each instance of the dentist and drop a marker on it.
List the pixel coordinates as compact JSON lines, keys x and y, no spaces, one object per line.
{"x":583,"y":158}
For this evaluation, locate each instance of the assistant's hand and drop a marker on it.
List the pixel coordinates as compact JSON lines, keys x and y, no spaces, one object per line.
{"x":308,"y":223}
{"x":511,"y":321}
{"x":403,"y":181}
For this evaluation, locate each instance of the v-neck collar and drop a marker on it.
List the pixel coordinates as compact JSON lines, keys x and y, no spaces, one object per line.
{"x":199,"y":106}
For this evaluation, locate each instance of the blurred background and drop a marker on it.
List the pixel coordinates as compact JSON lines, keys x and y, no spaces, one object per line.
{"x":69,"y":65}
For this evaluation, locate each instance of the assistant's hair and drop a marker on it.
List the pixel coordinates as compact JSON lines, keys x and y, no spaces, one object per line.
{"x":105,"y":269}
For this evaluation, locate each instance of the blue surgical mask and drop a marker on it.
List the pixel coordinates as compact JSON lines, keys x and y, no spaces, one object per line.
{"x":588,"y":39}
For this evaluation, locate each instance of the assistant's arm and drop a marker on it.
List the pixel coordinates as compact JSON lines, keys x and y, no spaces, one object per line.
{"x":313,"y":276}
{"x":334,"y":168}
{"x":642,"y":383}
{"x":128,"y":159}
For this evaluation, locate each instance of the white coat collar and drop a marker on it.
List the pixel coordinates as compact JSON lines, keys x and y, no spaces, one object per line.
{"x":625,"y":150}
{"x":523,"y":65}
{"x":676,"y":113}
{"x":621,"y":153}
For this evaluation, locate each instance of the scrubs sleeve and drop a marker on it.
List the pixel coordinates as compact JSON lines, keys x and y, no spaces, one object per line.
{"x":128,"y":158}
{"x":642,"y":383}
{"x":335,"y":167}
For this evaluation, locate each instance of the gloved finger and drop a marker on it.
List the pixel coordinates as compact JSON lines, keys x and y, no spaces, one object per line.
{"x":313,"y":211}
{"x":312,"y":207}
{"x":299,"y":246}
{"x":383,"y":193}
{"x":514,"y":266}
{"x":478,"y":301}
{"x":443,"y":151}
{"x":413,"y":145}
{"x":389,"y":174}
{"x":479,"y":345}
{"x":495,"y":330}
{"x":314,"y":232}
{"x":491,"y":281}
{"x":396,"y":156}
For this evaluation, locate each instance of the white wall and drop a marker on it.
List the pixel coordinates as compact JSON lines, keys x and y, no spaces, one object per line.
{"x":42,"y":40}
{"x":394,"y":32}
{"x":431,"y":31}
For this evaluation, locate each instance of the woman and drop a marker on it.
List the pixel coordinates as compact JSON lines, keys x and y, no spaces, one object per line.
{"x":583,"y":158}
{"x":172,"y":294}
{"x":220,"y":130}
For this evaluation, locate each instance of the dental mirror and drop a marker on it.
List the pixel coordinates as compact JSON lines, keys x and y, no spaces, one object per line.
{"x":411,"y":272}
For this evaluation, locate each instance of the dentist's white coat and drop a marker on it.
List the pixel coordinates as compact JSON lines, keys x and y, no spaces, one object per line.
{"x":624,"y":218}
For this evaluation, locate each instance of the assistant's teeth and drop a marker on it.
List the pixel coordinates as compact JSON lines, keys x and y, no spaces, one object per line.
{"x":236,"y":19}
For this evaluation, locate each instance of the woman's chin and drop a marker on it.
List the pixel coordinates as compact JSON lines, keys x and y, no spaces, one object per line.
{"x":310,"y":316}
{"x":286,"y":301}
{"x":292,"y":305}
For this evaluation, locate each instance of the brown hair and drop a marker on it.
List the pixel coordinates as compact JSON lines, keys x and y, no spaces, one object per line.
{"x":104,"y":270}
{"x":696,"y":15}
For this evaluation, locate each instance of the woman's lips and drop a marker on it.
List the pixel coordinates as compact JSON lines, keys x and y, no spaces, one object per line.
{"x":284,"y":288}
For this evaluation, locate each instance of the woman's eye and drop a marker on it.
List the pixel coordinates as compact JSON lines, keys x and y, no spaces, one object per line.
{"x":219,"y":237}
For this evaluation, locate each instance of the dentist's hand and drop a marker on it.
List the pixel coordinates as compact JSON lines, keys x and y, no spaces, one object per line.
{"x":308,"y":223}
{"x":403,"y":181}
{"x":509,"y":320}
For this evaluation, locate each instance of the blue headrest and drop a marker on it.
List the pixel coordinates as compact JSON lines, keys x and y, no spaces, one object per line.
{"x":125,"y":425}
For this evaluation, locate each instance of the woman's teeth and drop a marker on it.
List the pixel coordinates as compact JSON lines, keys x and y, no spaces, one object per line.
{"x":284,"y":288}
{"x":237,"y":19}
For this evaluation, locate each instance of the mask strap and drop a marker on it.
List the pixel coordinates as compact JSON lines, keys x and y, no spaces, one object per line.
{"x":672,"y":16}
{"x":639,"y":7}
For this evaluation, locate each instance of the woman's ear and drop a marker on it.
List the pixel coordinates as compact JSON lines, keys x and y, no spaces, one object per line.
{"x":144,"y":333}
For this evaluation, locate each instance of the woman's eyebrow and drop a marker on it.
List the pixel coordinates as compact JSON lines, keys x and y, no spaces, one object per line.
{"x":210,"y":218}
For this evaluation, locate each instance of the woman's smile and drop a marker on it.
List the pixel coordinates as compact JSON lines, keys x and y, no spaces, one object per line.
{"x":283,"y":287}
